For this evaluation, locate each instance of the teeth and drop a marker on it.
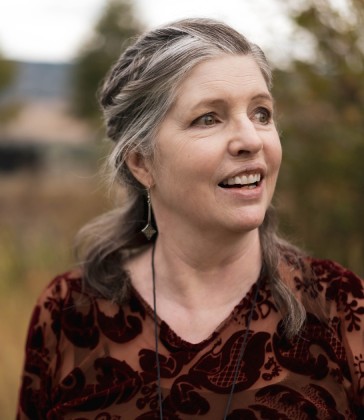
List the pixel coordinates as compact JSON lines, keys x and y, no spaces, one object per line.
{"x":243,"y":180}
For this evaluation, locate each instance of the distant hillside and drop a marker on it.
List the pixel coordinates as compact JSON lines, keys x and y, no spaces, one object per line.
{"x":35,"y":81}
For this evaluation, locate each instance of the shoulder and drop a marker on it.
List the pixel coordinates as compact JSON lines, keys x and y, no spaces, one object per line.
{"x":343,"y":292}
{"x":68,"y":312}
{"x":64,"y":294}
{"x":46,"y":323}
{"x":313,"y":275}
{"x":335,"y":292}
{"x":60,"y":288}
{"x":329,"y":289}
{"x":325,"y":287}
{"x":331,"y":270}
{"x":338,"y":282}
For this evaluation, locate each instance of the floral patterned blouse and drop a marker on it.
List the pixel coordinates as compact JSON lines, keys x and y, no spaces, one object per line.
{"x":88,"y":358}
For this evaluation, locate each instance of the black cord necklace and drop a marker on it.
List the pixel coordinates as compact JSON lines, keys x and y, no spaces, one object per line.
{"x":241,"y":352}
{"x":156,"y":338}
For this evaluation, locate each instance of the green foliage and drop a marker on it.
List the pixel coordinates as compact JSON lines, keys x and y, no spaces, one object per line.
{"x":320,"y":106}
{"x":8,"y":111}
{"x":115,"y":27}
{"x":7,"y":71}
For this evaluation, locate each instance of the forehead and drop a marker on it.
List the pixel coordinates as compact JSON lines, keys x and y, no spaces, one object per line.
{"x":224,"y":75}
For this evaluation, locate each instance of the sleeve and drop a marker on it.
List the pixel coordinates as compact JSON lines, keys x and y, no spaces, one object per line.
{"x":352,"y":322}
{"x":348,"y":291}
{"x":41,"y":355}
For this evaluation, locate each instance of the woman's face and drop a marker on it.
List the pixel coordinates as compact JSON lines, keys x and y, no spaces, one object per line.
{"x":217,"y":151}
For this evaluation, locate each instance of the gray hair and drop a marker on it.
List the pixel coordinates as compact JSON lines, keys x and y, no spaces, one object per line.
{"x":135,"y":97}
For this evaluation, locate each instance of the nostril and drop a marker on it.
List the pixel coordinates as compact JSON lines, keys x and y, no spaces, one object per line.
{"x":243,"y":152}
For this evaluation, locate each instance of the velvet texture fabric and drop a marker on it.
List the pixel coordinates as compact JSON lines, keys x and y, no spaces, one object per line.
{"x":88,"y":358}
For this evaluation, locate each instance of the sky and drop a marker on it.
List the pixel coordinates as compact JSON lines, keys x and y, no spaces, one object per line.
{"x":54,"y":30}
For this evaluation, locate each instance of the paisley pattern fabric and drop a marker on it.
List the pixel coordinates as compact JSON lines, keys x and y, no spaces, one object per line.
{"x":88,"y":358}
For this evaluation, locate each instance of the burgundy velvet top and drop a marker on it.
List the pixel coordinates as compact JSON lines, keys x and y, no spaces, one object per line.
{"x":88,"y":358}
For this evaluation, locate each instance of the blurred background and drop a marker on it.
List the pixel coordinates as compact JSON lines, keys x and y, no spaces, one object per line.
{"x":53,"y":54}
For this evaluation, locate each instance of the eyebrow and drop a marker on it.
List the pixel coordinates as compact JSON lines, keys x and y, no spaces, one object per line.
{"x":266,"y":96}
{"x":209,"y":101}
{"x":218,"y":101}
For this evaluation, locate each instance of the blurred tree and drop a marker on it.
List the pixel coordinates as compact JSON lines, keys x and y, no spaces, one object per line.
{"x":320,"y":116}
{"x":116,"y":25}
{"x":7,"y":71}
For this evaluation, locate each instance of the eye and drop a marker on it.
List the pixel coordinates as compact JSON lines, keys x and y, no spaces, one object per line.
{"x":263,"y":115}
{"x":205,"y":120}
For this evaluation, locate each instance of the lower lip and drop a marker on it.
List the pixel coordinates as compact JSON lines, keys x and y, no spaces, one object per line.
{"x":245,"y":193}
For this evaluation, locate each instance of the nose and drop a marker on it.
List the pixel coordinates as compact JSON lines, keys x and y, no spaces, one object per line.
{"x":244,"y":138}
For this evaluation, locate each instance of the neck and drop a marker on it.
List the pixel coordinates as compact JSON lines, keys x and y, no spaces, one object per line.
{"x":191,"y":269}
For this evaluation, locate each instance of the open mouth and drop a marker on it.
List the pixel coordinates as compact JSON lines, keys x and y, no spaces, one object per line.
{"x":248,"y":181}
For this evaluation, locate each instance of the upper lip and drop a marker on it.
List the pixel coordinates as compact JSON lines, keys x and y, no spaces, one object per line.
{"x":246,"y":170}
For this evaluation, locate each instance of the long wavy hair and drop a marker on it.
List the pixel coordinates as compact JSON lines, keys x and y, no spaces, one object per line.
{"x":135,"y":97}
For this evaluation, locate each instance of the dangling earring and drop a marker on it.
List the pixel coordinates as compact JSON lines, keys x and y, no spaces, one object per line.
{"x":148,"y":229}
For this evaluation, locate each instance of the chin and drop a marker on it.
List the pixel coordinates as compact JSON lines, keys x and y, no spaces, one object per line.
{"x":245,"y":226}
{"x":250,"y":221}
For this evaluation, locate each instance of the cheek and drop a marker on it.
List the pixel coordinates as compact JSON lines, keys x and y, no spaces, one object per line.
{"x":174,"y":173}
{"x":184,"y":163}
{"x":275,"y":154}
{"x":279,"y":156}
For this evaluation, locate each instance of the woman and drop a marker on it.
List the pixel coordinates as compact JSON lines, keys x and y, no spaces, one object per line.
{"x":187,"y":304}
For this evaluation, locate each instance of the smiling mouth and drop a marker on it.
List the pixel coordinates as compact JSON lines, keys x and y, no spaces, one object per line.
{"x":243,"y":181}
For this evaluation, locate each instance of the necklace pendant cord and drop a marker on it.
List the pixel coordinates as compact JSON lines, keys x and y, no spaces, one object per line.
{"x":242,"y":348}
{"x":241,"y":352}
{"x":156,"y":338}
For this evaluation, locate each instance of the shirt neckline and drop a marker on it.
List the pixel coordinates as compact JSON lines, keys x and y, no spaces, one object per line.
{"x":174,"y":342}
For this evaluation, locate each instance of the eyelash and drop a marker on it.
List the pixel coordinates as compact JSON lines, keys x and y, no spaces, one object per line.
{"x":260,"y":110}
{"x":210,"y":114}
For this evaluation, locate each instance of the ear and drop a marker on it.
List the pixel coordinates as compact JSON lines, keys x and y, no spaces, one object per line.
{"x":141,"y":168}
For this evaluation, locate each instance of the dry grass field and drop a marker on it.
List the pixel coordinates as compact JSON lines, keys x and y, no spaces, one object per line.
{"x":39,"y":215}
